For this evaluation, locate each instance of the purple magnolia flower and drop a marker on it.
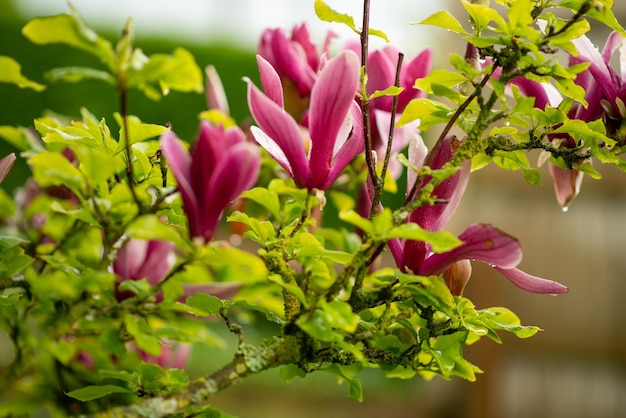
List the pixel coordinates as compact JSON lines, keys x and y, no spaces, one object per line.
{"x":333,"y":120}
{"x":296,"y":59}
{"x":219,"y":168}
{"x":605,"y":93}
{"x":173,"y":355}
{"x":566,"y":182}
{"x":480,"y":242}
{"x":152,"y":260}
{"x":141,"y":259}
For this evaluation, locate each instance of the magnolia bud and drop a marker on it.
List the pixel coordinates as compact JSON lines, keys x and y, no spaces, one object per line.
{"x":457,"y":276}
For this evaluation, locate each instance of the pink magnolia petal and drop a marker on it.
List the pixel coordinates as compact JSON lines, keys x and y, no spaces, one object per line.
{"x":545,"y":93}
{"x":397,"y":251}
{"x":130,"y":258}
{"x":179,"y":161}
{"x":206,"y":154}
{"x":215,"y":95}
{"x":270,"y":81}
{"x":159,"y":260}
{"x":381,"y":75}
{"x":482,"y":243}
{"x":291,"y":63}
{"x":532,"y":283}
{"x":331,"y":99}
{"x":352,"y":147}
{"x":272,"y":148}
{"x":238,"y":171}
{"x":613,"y":43}
{"x":417,"y":155}
{"x":601,"y":72}
{"x":282,"y":130}
{"x":419,"y":67}
{"x":566,"y":184}
{"x":300,"y":35}
{"x":435,"y":217}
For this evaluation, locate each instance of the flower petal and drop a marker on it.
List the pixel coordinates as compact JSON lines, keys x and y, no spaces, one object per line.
{"x":270,"y":81}
{"x":236,"y":172}
{"x":158,"y":261}
{"x":435,"y":217}
{"x":482,"y":243}
{"x":417,"y":155}
{"x":179,"y":161}
{"x":282,"y":130}
{"x":419,"y":67}
{"x":215,"y":95}
{"x":129,"y":259}
{"x":532,"y":283}
{"x":352,"y":147}
{"x":331,"y":100}
{"x":566,"y":184}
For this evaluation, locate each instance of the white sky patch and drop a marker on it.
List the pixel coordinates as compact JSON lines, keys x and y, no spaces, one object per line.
{"x":241,"y":22}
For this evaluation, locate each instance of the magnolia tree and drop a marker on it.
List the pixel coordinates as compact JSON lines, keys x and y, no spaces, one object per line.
{"x":113,"y":261}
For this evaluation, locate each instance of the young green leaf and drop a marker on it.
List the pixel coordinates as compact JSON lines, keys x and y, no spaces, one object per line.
{"x":89,"y":393}
{"x":11,"y":72}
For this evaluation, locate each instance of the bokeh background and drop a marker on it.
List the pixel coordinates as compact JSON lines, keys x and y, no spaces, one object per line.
{"x":576,"y":368}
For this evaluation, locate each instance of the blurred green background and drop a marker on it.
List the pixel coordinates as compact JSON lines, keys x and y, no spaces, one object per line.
{"x":575,"y":369}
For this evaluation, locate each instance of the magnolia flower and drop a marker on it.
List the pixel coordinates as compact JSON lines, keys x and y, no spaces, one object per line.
{"x":481,"y":242}
{"x":219,"y":168}
{"x":294,"y":58}
{"x":333,"y":120}
{"x":152,"y":260}
{"x":173,"y":355}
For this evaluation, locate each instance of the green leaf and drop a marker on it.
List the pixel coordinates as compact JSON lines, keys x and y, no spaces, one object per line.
{"x":389,"y":91}
{"x":428,"y":291}
{"x":178,"y":72}
{"x":309,"y":246}
{"x":447,"y":351}
{"x":13,"y":261}
{"x":429,"y":112}
{"x":325,"y":13}
{"x":205,"y":305}
{"x":142,"y":334}
{"x":138,"y":130}
{"x":445,"y":20}
{"x":264,"y":197}
{"x":71,"y":30}
{"x":439,"y":77}
{"x":77,"y":74}
{"x":141,"y":287}
{"x":517,"y":160}
{"x":89,"y":393}
{"x":271,"y":316}
{"x":290,"y":371}
{"x":261,"y":232}
{"x":11,"y":72}
{"x":149,"y":227}
{"x":21,"y":138}
{"x":440,"y":241}
{"x":345,"y":374}
{"x":602,"y":11}
{"x":53,"y":169}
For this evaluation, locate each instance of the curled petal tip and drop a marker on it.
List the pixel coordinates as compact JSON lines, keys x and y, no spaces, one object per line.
{"x":532,"y":283}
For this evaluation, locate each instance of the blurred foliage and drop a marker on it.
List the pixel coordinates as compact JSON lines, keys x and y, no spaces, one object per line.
{"x":22,"y":106}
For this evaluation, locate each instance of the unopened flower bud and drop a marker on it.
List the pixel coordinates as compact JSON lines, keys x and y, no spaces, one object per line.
{"x":457,"y":276}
